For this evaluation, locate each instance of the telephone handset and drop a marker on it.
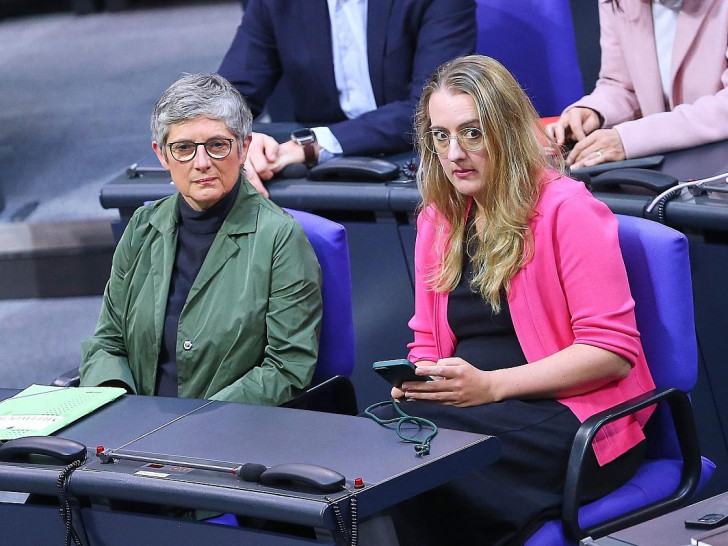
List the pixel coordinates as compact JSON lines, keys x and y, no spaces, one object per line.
{"x":646,"y":162}
{"x":68,"y":453}
{"x":355,"y":169}
{"x":318,"y":477}
{"x":644,"y":178}
{"x":61,"y":449}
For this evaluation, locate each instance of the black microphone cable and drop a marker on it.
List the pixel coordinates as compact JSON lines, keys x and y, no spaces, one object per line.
{"x":65,"y":505}
{"x":350,"y":533}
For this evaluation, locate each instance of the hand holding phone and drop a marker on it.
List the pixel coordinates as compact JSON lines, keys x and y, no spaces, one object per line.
{"x":398,"y":371}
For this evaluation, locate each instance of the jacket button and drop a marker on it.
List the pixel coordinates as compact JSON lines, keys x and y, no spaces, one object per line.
{"x":187,"y":345}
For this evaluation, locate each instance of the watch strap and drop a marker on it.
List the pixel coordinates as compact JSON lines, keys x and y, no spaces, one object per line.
{"x":306,"y":138}
{"x":309,"y":152}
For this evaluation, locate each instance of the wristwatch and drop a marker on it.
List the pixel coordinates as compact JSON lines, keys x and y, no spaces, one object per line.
{"x":306,"y":138}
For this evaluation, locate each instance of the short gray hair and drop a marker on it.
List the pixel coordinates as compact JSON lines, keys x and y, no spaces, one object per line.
{"x":207,"y":95}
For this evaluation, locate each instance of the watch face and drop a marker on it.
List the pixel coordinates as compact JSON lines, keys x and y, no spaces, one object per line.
{"x":303,"y":135}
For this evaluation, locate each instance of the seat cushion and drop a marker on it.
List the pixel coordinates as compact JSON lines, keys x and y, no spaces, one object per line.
{"x":653,"y":481}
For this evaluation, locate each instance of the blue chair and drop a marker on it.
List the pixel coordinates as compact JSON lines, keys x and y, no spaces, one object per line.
{"x":331,"y":390}
{"x":534,"y":40}
{"x":658,"y":268}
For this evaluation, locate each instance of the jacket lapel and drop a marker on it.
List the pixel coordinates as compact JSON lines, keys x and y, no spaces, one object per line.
{"x":165,"y":222}
{"x":378,"y":12}
{"x":314,"y":16}
{"x":647,"y":81}
{"x":689,"y":21}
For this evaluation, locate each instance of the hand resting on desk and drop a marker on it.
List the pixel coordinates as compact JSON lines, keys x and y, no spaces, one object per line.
{"x":267,"y":157}
{"x":592,"y":144}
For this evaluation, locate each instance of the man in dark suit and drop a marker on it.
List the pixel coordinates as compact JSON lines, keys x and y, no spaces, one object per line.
{"x":402,"y":43}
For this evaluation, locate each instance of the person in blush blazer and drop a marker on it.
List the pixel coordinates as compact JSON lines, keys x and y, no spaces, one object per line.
{"x":662,"y":83}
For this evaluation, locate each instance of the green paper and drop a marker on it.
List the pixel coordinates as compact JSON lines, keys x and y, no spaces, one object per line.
{"x":41,"y":410}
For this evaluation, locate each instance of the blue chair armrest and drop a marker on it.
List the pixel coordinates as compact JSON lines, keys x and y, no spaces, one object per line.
{"x":71,"y":378}
{"x":682,"y":415}
{"x":335,"y":395}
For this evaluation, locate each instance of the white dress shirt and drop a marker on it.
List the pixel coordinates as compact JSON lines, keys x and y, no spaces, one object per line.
{"x":351,"y":67}
{"x":664,"y":20}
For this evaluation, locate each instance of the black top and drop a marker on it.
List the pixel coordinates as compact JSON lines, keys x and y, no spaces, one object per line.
{"x":484,"y":339}
{"x":195,"y":233}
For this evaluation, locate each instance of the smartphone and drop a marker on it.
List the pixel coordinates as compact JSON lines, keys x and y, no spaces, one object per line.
{"x":707,"y":521}
{"x":398,"y":371}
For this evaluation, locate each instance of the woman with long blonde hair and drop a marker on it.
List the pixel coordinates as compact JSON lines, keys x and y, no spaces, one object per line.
{"x":523,"y":313}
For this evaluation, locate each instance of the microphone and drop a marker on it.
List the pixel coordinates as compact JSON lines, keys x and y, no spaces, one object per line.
{"x":250,"y":472}
{"x":320,"y":478}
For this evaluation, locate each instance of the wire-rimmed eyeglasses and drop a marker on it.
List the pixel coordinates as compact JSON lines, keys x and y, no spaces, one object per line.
{"x":470,"y":139}
{"x":216,"y":148}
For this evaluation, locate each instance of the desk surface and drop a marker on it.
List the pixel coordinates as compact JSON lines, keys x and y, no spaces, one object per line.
{"x":667,"y":530}
{"x":220,"y":433}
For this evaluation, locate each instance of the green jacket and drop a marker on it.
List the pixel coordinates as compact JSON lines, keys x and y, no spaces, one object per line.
{"x":249,"y":329}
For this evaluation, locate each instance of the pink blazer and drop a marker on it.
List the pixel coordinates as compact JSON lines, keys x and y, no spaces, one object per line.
{"x":574,"y":290}
{"x":629,"y":95}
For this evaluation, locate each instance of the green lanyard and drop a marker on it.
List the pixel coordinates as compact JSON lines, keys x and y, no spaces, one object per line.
{"x":422,"y":447}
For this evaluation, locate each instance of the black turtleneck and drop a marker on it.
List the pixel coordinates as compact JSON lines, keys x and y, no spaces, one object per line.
{"x":195,"y":233}
{"x":485,"y":339}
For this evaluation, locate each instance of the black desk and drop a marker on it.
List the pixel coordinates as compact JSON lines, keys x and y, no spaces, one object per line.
{"x":219,"y":432}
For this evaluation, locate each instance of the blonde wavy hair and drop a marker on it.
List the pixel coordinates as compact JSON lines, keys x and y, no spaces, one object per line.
{"x":515,"y":145}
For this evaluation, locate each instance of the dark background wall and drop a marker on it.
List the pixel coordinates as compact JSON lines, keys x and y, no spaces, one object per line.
{"x":586,"y":29}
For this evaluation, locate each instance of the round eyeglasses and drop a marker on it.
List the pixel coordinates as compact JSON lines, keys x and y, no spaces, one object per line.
{"x":470,"y":139}
{"x":216,"y":148}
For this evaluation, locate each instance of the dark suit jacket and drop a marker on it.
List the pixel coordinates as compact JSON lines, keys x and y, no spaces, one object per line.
{"x":406,"y":41}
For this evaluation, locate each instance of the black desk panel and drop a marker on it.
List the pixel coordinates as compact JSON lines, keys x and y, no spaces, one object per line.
{"x":115,"y":528}
{"x":698,"y":162}
{"x":229,"y":434}
{"x":24,"y":524}
{"x":235,"y":433}
{"x":383,"y":298}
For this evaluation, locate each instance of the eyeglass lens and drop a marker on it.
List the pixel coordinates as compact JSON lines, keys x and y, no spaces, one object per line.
{"x":216,"y":148}
{"x":471,"y":139}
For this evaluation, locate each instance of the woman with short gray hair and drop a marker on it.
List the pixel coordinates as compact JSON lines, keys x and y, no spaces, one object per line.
{"x":214,"y":291}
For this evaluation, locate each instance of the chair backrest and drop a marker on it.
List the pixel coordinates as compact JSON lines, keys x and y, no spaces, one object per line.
{"x":336,"y":341}
{"x":534,"y":39}
{"x":658,"y":268}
